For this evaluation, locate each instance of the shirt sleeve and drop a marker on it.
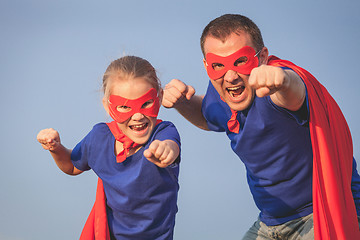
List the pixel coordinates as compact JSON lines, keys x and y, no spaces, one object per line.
{"x":302,"y":115}
{"x":80,"y":155}
{"x":166,"y":131}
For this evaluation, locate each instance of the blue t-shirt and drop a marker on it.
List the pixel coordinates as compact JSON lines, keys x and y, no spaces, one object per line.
{"x":141,"y":197}
{"x":275,"y":146}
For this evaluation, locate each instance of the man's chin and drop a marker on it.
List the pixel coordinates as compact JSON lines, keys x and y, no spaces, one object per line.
{"x":238,"y":106}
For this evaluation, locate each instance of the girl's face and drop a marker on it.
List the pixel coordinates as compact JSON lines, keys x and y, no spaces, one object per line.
{"x":138,"y":127}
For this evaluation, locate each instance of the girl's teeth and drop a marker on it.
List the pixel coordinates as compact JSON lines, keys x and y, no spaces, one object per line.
{"x":138,"y":127}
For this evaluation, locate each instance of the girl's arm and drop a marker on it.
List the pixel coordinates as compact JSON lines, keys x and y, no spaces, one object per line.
{"x":50,"y":140}
{"x":162,"y":153}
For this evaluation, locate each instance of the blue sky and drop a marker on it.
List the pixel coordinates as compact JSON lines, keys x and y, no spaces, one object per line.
{"x":53,"y":55}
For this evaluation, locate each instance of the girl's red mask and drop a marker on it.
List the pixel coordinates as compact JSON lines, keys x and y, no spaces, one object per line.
{"x":241,"y":61}
{"x":132,"y":106}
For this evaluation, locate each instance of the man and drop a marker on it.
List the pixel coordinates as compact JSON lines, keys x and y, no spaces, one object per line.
{"x":280,"y":121}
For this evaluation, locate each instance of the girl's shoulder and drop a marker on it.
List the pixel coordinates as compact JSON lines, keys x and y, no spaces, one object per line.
{"x":163,"y":125}
{"x":101,"y":127}
{"x":99,"y":130}
{"x":165,"y":130}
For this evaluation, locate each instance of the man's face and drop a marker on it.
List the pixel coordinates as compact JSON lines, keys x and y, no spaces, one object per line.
{"x":233,"y":86}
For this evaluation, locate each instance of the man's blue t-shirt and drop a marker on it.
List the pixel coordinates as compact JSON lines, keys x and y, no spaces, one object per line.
{"x":141,"y":197}
{"x":275,"y":146}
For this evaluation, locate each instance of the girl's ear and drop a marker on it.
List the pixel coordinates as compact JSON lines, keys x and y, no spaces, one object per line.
{"x":161,"y":94}
{"x":105,"y":104}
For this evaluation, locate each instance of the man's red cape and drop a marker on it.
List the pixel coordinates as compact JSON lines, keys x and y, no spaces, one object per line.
{"x":333,"y":204}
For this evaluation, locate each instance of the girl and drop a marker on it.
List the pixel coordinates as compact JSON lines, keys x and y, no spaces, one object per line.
{"x":136,"y":157}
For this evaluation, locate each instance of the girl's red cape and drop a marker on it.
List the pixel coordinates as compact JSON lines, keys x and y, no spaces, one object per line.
{"x":96,"y":226}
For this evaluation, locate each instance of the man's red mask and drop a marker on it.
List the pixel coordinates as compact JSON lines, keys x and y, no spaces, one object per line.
{"x":241,"y":61}
{"x":121,"y":109}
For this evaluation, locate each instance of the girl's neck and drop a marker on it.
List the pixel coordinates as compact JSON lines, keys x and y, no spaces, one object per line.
{"x":119,"y":148}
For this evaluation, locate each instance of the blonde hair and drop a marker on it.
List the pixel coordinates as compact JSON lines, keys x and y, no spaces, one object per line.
{"x":128,"y":67}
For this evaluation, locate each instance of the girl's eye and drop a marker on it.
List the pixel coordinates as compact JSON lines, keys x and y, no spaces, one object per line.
{"x":240,"y":61}
{"x":148,"y":104}
{"x":123,"y":109}
{"x":217,"y":66}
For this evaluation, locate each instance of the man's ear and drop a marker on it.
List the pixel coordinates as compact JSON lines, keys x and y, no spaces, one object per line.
{"x":205,"y":64}
{"x":264,"y":55}
{"x":105,"y":103}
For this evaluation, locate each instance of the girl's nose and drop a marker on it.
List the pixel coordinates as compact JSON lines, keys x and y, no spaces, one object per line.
{"x":137,"y":116}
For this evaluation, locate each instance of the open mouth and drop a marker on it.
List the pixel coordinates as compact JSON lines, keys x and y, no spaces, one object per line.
{"x":235,"y":92}
{"x":139,"y":127}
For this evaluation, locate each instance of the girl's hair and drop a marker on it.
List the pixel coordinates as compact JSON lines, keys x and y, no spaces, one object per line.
{"x":128,"y":67}
{"x":223,"y":26}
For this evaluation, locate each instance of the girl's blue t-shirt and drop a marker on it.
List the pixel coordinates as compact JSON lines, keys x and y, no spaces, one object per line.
{"x":275,"y":146}
{"x":141,"y":197}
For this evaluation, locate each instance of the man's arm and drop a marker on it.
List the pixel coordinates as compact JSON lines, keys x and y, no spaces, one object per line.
{"x":182,"y":97}
{"x":285,"y":87}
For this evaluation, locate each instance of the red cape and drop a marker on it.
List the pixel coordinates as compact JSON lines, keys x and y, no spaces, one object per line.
{"x":96,"y":226}
{"x":333,"y":204}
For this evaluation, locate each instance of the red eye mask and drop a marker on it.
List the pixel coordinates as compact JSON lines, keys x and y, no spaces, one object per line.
{"x":133,"y":106}
{"x":246,"y":55}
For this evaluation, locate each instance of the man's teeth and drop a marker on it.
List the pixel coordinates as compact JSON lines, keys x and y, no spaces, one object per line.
{"x":235,"y":90}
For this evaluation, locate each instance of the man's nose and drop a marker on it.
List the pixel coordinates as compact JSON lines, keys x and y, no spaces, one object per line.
{"x":230,"y":76}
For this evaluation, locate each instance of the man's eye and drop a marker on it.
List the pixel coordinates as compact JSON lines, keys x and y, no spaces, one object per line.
{"x":240,"y":61}
{"x":123,"y":109}
{"x":217,"y":66}
{"x":148,"y":104}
